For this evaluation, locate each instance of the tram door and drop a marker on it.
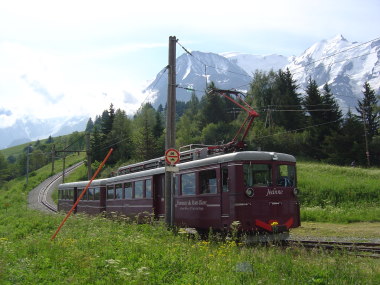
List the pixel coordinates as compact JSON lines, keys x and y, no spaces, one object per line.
{"x":158,"y":196}
{"x":225,"y":195}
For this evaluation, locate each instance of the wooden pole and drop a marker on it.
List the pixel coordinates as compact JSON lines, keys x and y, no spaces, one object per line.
{"x":82,"y":194}
{"x":170,"y":128}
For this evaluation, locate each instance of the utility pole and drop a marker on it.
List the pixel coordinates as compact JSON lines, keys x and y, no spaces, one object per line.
{"x":89,"y":172}
{"x":170,"y":129}
{"x":52,"y":158}
{"x":27,"y":163}
{"x":63,"y":169}
{"x":365,"y":138}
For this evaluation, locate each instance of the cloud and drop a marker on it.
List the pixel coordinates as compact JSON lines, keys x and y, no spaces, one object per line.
{"x":129,"y":98}
{"x":40,"y":89}
{"x":5,"y":112}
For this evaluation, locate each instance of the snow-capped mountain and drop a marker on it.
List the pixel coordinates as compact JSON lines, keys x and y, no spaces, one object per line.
{"x":344,"y":65}
{"x":30,"y":129}
{"x":250,"y":62}
{"x":196,"y":71}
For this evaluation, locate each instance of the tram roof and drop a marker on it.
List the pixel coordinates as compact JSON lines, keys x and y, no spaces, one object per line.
{"x":94,"y":183}
{"x":212,"y":160}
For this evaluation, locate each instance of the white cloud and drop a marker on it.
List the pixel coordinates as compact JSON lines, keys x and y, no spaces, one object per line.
{"x":60,"y":57}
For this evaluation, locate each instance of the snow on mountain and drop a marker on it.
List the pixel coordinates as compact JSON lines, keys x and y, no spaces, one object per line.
{"x":196,"y":71}
{"x":344,"y":65}
{"x":30,"y":129}
{"x":250,"y":63}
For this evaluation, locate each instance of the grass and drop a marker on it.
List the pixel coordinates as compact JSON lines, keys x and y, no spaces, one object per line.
{"x":95,"y":250}
{"x":362,"y":230}
{"x":338,"y":194}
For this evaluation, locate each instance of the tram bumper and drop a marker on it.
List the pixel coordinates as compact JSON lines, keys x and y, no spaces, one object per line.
{"x":273,"y":226}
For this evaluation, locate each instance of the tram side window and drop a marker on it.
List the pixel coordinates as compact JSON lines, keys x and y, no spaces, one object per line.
{"x":207,"y":180}
{"x":148,"y":188}
{"x":139,"y":189}
{"x":85,"y":197}
{"x":176,"y":185}
{"x":188,"y":184}
{"x":128,"y":190}
{"x":225,"y":179}
{"x":97,"y":193}
{"x":91,"y":192}
{"x":257,"y":175}
{"x":110,"y":192}
{"x":119,"y":191}
{"x":286,"y":175}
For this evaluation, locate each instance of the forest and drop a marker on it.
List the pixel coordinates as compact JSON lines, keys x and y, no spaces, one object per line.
{"x":310,"y":126}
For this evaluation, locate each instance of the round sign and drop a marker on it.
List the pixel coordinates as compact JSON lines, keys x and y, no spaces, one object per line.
{"x":172,"y":156}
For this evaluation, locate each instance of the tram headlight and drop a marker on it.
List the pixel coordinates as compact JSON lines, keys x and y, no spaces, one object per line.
{"x":250,"y":192}
{"x":295,"y":191}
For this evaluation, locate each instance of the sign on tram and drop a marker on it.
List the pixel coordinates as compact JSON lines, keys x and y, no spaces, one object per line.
{"x":172,"y":156}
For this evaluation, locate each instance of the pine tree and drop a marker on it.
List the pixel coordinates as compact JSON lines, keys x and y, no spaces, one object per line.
{"x":333,"y":115}
{"x":107,"y":120}
{"x":313,"y":102}
{"x":369,"y":115}
{"x":287,"y":97}
{"x":89,"y":126}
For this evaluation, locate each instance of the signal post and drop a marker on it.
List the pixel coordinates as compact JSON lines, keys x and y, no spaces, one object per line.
{"x":170,"y":128}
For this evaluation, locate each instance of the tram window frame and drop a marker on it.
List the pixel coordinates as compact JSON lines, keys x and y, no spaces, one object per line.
{"x":176,"y":184}
{"x":97,"y":193}
{"x":188,"y":184}
{"x":110,"y":190}
{"x":286,"y":177}
{"x":254,"y":175}
{"x":139,"y":192}
{"x":208,"y":182}
{"x":85,"y":196}
{"x":148,"y":194}
{"x":91,"y":194}
{"x":225,"y":179}
{"x":128,"y":190}
{"x":119,"y":191}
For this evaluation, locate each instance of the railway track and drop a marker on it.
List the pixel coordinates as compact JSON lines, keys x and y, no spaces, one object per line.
{"x":364,"y":249}
{"x":39,"y":198}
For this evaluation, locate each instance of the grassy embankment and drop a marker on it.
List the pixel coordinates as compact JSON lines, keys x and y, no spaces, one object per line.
{"x":338,"y":194}
{"x":93,"y":250}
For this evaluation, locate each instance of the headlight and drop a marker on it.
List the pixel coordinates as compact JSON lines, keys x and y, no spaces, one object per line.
{"x":249,"y":192}
{"x":295,"y":191}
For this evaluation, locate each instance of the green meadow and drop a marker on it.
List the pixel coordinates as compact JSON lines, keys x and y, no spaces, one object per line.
{"x":96,"y":250}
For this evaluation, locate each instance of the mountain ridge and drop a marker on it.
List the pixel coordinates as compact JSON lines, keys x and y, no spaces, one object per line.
{"x":344,"y":65}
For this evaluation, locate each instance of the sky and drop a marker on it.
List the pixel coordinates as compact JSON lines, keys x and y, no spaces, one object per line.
{"x":65,"y":58}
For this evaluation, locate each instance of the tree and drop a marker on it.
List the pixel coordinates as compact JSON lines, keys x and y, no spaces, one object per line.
{"x":4,"y":170}
{"x":89,"y":126}
{"x":368,"y":113}
{"x":347,"y":145}
{"x":333,"y":115}
{"x":313,"y":102}
{"x":144,"y":139}
{"x":107,"y":120}
{"x":287,"y":98}
{"x":120,"y":138}
{"x":213,"y":109}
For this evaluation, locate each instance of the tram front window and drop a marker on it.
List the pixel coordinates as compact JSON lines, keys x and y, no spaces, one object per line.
{"x":286,"y":175}
{"x":257,"y":175}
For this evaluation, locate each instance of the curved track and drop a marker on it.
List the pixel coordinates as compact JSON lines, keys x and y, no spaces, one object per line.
{"x":40,"y":197}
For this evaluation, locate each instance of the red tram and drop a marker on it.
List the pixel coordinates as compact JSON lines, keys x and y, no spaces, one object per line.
{"x":257,"y":189}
